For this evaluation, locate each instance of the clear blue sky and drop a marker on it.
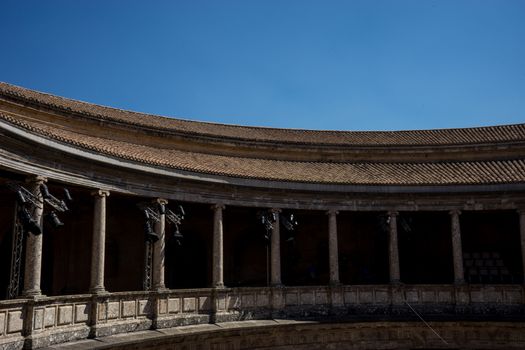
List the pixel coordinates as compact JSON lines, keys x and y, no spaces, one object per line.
{"x":355,"y":65}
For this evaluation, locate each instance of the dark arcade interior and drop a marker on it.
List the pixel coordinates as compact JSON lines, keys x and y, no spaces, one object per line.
{"x":363,"y":247}
{"x":245,"y":247}
{"x":304,"y":251}
{"x":491,"y":247}
{"x":425,"y":247}
{"x":7,"y":211}
{"x":490,"y":239}
{"x":188,"y":260}
{"x":66,"y":256}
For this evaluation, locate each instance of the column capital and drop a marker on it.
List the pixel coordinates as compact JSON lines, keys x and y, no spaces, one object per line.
{"x":455,"y":212}
{"x":100,"y":193}
{"x":160,"y":201}
{"x":332,"y":212}
{"x":218,"y":206}
{"x":36,"y":179}
{"x":275,"y":210}
{"x":393,"y":213}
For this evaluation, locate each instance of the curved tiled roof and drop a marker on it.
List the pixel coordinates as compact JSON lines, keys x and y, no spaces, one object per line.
{"x":466,"y":136}
{"x":356,"y":173}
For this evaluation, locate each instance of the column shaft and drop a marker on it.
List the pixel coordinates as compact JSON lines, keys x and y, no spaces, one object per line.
{"x":218,"y":253}
{"x":275,"y":250}
{"x":33,"y":255}
{"x":333,"y":251}
{"x":159,"y":249}
{"x":98,"y":248}
{"x":393,"y":248}
{"x":457,"y":251}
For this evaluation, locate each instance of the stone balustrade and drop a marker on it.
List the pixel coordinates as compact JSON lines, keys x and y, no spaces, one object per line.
{"x":39,"y":322}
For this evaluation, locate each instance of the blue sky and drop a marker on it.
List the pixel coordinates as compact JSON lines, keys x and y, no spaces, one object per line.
{"x":353,"y":65}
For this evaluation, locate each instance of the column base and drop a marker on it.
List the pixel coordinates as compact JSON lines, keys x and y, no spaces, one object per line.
{"x":98,"y":290}
{"x":396,"y":282}
{"x":32,"y":293}
{"x":335,"y":284}
{"x":219,"y":285}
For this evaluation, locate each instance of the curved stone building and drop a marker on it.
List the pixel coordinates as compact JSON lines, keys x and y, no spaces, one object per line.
{"x":225,"y":236}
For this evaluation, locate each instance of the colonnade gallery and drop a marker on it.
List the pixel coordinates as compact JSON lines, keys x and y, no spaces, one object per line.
{"x":151,"y":220}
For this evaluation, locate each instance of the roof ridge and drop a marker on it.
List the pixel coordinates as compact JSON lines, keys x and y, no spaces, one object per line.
{"x":446,"y":136}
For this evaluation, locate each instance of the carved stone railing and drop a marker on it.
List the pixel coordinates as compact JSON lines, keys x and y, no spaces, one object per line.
{"x":34,"y":323}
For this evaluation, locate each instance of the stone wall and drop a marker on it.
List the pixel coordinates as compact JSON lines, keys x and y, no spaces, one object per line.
{"x":51,"y":320}
{"x":292,"y":335}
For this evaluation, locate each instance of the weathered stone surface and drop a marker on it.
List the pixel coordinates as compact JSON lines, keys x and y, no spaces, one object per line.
{"x":49,"y":316}
{"x":366,"y":297}
{"x":307,"y":299}
{"x":444,"y":297}
{"x":81,"y":313}
{"x":188,"y":304}
{"x":493,"y":297}
{"x":381,"y":297}
{"x":113,"y":309}
{"x":291,"y":299}
{"x":291,"y":335}
{"x":428,"y":296}
{"x":204,"y":303}
{"x":2,"y":323}
{"x":248,"y":300}
{"x":462,"y":297}
{"x":476,"y":296}
{"x":15,"y":321}
{"x":163,"y":306}
{"x":412,"y":296}
{"x":337,"y":298}
{"x":128,"y":308}
{"x":173,"y":305}
{"x":234,"y":302}
{"x":144,"y":307}
{"x":350,"y":297}
{"x":321,"y":298}
{"x":514,"y":297}
{"x":263,"y":300}
{"x":101,"y":311}
{"x":38,"y":319}
{"x":65,"y":315}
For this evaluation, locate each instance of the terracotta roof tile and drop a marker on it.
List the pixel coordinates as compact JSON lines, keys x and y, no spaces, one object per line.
{"x":358,"y":173}
{"x":494,"y":134}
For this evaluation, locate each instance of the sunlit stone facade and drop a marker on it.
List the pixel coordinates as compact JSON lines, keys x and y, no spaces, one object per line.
{"x":333,"y":226}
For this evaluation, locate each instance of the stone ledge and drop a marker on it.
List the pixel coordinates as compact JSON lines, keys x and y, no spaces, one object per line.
{"x":286,"y":334}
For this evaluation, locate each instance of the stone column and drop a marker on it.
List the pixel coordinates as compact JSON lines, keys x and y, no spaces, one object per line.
{"x":159,"y":249}
{"x":521,"y":212}
{"x":275,"y":250}
{"x":218,"y":253}
{"x":457,"y":251}
{"x":393,"y":249}
{"x":333,"y":251}
{"x":98,"y":248}
{"x":33,"y":255}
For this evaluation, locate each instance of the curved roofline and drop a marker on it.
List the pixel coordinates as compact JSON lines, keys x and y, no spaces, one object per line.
{"x":435,"y":137}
